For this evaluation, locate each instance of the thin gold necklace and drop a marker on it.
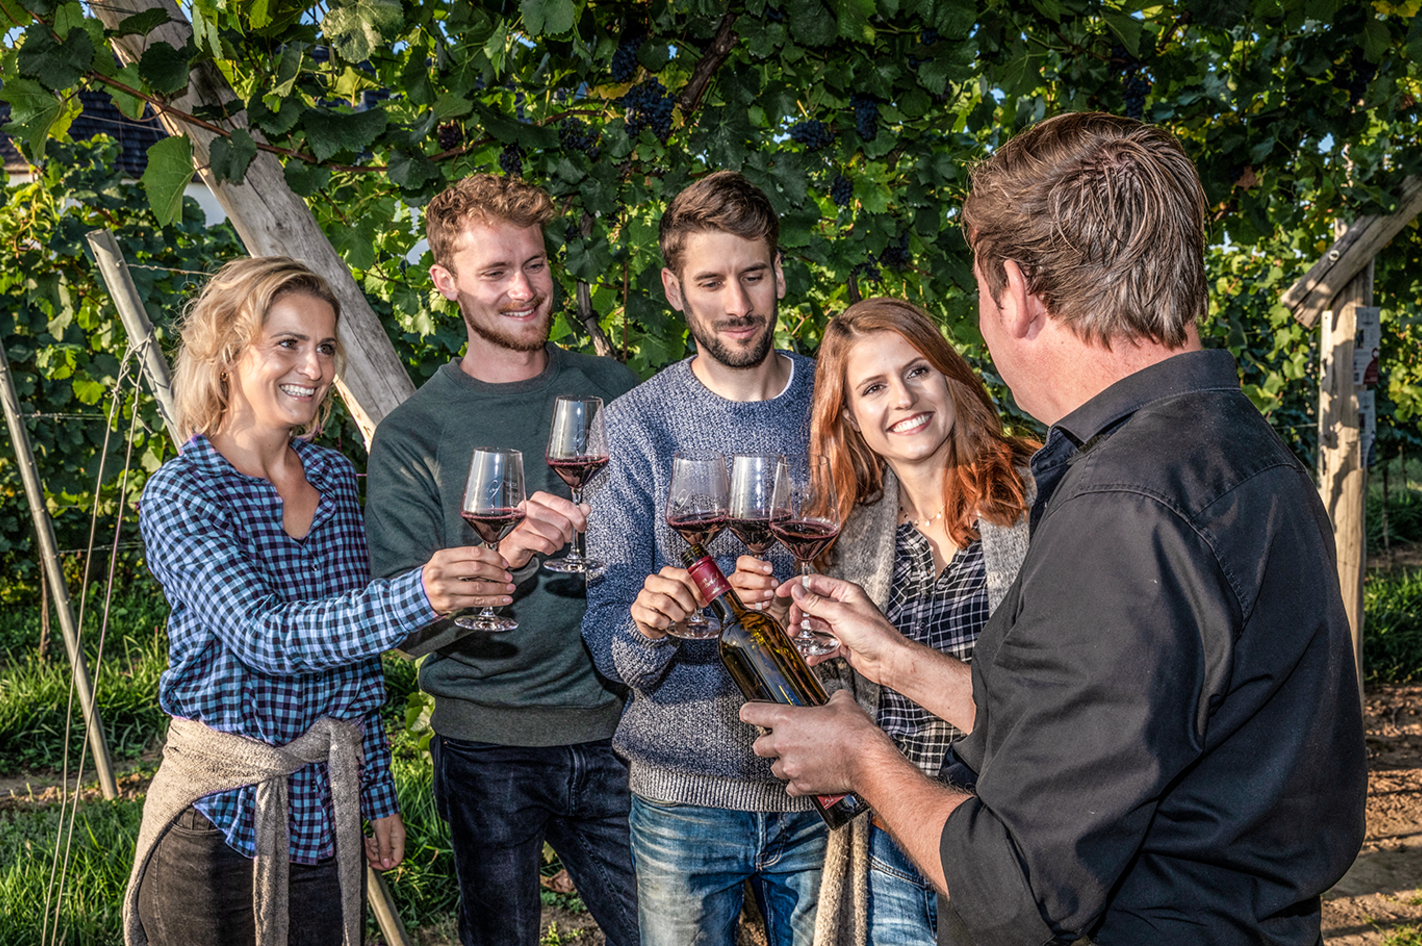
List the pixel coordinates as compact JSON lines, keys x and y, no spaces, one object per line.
{"x":922,"y":524}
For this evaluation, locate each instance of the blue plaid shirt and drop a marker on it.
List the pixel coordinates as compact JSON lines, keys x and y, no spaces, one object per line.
{"x":268,"y":633}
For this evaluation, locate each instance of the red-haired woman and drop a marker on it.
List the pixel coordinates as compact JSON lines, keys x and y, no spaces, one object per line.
{"x":934,"y":498}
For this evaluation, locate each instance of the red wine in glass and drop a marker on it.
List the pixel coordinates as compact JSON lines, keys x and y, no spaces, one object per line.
{"x":494,"y":524}
{"x":698,"y":529}
{"x":754,"y":533}
{"x":577,"y":450}
{"x":578,"y":471}
{"x":804,"y":538}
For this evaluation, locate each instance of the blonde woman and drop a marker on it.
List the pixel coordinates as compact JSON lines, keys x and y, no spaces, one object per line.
{"x":251,"y":828}
{"x":934,"y":498}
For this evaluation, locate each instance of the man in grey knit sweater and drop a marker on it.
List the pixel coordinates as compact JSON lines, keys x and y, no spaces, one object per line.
{"x":523,"y":722}
{"x":707,"y":814}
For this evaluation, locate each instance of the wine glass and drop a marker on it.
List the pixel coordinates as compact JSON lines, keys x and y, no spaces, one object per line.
{"x":577,"y":450}
{"x":493,"y":505}
{"x":696,"y":508}
{"x":805,"y":518}
{"x":752,"y":488}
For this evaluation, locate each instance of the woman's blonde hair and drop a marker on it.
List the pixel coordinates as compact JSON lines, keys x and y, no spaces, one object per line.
{"x":222,"y":321}
{"x":981,"y":479}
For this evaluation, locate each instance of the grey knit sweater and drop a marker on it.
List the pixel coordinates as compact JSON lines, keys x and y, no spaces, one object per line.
{"x":680,"y":731}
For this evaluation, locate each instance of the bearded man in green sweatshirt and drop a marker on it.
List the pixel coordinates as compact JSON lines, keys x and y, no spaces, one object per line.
{"x":522,"y":720}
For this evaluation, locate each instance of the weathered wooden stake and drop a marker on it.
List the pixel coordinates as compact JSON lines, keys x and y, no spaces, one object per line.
{"x":1342,"y":479}
{"x":49,"y":558}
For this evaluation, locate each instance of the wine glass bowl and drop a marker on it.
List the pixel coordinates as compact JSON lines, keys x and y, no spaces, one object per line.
{"x":577,"y":450}
{"x":696,"y":509}
{"x":493,"y":505}
{"x":752,"y":491}
{"x":805,"y":518}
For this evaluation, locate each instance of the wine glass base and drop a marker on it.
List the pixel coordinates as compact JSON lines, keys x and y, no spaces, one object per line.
{"x":492,"y":624}
{"x":571,"y":565}
{"x":810,"y":644}
{"x":704,"y":631}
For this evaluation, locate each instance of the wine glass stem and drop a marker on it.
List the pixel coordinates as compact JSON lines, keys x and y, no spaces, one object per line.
{"x":580,"y":537}
{"x":805,"y":583}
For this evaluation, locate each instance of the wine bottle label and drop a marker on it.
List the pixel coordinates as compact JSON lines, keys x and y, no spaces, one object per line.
{"x":829,"y":801}
{"x":709,"y":578}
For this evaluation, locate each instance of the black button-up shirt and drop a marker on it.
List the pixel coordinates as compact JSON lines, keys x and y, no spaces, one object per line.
{"x":1169,"y":743}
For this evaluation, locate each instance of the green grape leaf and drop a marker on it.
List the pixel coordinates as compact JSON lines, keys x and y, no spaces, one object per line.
{"x":548,"y":17}
{"x":305,"y":179}
{"x":143,"y":23}
{"x":359,"y":27}
{"x":229,"y":157}
{"x":170,"y":170}
{"x":36,"y":114}
{"x":57,"y":65}
{"x":355,"y":241}
{"x":164,"y":68}
{"x":411,"y":170}
{"x":130,"y":105}
{"x":811,"y":23}
{"x":1375,"y":39}
{"x":329,"y":133}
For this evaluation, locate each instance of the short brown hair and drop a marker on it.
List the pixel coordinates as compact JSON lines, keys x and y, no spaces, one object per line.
{"x":219,"y":325}
{"x":981,"y":480}
{"x":725,"y":201}
{"x":486,"y":199}
{"x":1106,"y":217}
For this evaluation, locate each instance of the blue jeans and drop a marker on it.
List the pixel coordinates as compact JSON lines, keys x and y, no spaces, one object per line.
{"x":503,"y":802}
{"x":692,"y":863}
{"x":903,"y":906}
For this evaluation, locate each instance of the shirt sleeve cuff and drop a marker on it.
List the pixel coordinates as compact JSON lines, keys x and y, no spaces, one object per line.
{"x":987,"y":883}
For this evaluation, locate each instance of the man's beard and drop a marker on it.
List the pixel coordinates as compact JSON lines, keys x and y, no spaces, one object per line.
{"x":495,"y":335}
{"x":717,"y":350}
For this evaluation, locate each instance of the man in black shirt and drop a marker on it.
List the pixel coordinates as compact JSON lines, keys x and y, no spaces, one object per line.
{"x":1166,"y":738}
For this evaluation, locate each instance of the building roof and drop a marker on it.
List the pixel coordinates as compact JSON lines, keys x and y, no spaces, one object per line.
{"x":99,"y":117}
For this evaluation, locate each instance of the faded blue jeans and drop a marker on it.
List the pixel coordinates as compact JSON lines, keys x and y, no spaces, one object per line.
{"x":903,"y":906}
{"x":692,"y":864}
{"x":503,"y":802}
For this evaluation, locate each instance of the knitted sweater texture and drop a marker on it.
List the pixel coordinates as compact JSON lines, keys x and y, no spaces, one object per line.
{"x":680,"y":732}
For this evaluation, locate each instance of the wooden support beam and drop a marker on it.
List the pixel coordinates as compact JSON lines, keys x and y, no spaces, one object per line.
{"x":54,"y":575}
{"x":1349,"y":255}
{"x":1342,"y":479}
{"x":271,"y":219}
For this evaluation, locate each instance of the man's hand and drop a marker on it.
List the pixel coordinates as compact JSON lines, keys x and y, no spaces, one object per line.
{"x":386,"y":849}
{"x":754,"y":583}
{"x":866,"y":638}
{"x":941,"y":684}
{"x":469,"y":577}
{"x":818,"y":750}
{"x":666,"y":599}
{"x":549,"y":524}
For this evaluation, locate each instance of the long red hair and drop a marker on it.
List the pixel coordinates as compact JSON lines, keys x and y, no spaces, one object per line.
{"x":981,"y":478}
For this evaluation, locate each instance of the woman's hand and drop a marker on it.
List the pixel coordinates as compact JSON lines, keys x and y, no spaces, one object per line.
{"x":386,"y":849}
{"x":468,"y":577}
{"x":666,"y":599}
{"x":755,"y":583}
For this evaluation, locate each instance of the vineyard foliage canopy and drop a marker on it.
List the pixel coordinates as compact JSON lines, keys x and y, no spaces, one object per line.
{"x":860,"y":119}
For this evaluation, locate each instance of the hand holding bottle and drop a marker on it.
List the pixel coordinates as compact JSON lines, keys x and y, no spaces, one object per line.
{"x":818,"y":750}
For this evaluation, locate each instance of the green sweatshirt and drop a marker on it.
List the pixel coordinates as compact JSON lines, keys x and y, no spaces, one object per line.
{"x":536,"y":685}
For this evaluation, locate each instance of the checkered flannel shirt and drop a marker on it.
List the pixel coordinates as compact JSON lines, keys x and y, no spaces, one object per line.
{"x":944,"y":611}
{"x":268,"y":633}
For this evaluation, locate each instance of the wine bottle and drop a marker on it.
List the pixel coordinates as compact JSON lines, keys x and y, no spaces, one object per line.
{"x":765,"y":665}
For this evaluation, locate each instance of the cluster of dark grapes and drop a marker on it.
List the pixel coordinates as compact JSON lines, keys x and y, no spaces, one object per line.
{"x":929,"y":36}
{"x":574,"y":134}
{"x":868,"y":271}
{"x":841,"y":190}
{"x":897,"y":256}
{"x":812,"y":133}
{"x":866,"y":115}
{"x":1135,"y":84}
{"x":511,"y":160}
{"x":450,"y":136}
{"x":774,"y":14}
{"x":1354,"y":75}
{"x":651,"y":106}
{"x":624,"y":59}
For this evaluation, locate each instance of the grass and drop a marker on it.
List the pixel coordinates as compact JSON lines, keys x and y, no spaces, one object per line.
{"x":1403,"y":936}
{"x":1392,"y":626}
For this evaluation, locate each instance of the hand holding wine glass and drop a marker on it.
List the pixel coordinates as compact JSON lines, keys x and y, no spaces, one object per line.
{"x":696,"y":509}
{"x":752,"y":490}
{"x":493,"y":505}
{"x":805,"y":518}
{"x":577,"y":450}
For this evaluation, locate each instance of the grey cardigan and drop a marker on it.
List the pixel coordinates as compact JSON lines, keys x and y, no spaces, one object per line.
{"x":864,"y":555}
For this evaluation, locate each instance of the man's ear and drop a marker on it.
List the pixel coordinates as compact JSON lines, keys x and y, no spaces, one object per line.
{"x":1023,"y":312}
{"x":779,"y":276}
{"x":444,"y":282}
{"x":671,"y":285}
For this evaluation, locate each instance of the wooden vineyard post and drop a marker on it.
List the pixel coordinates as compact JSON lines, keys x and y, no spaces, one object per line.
{"x":1342,"y":478}
{"x":54,"y":575}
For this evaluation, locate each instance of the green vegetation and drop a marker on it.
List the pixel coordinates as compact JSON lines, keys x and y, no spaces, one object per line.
{"x":1403,"y":936}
